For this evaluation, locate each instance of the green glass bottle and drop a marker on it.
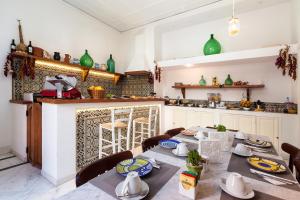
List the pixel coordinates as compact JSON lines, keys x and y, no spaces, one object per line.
{"x":228,"y":81}
{"x":111,"y":64}
{"x":202,"y":82}
{"x":212,"y":46}
{"x":86,"y":60}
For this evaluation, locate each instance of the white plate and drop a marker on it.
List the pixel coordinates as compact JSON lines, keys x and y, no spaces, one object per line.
{"x":180,"y":155}
{"x":119,"y":188}
{"x":205,"y":138}
{"x":239,"y":138}
{"x":243,"y":154}
{"x":250,"y":193}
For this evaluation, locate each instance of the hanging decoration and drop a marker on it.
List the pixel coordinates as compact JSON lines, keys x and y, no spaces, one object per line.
{"x":287,"y":62}
{"x":234,"y":23}
{"x":157,"y":72}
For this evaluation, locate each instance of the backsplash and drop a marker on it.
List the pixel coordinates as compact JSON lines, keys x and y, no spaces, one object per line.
{"x":135,"y":85}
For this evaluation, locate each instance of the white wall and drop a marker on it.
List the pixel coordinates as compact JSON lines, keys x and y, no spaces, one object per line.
{"x":259,"y":28}
{"x":53,"y":26}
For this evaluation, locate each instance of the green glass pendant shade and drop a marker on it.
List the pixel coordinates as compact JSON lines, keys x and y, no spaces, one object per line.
{"x":86,"y":60}
{"x":212,"y":46}
{"x":228,"y":81}
{"x":202,"y":81}
{"x":111,"y":64}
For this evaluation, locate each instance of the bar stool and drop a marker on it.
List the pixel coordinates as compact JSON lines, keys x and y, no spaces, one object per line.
{"x":119,"y":124}
{"x":148,"y":125}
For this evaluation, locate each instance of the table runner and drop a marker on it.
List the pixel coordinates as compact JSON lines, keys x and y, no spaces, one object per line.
{"x":156,"y":179}
{"x":258,"y":196}
{"x":240,"y":165}
{"x":159,"y":149}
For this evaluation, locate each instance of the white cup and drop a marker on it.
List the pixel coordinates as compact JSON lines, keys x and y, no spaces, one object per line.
{"x":240,"y":148}
{"x":235,"y":184}
{"x":132,"y":184}
{"x":181,"y":149}
{"x":240,"y":135}
{"x":200,"y":135}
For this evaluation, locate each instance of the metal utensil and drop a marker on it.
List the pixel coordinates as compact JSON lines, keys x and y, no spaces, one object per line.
{"x":253,"y":171}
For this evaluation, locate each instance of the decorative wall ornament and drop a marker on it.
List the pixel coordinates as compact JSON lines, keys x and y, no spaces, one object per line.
{"x":21,"y":47}
{"x":157,"y":72}
{"x":287,"y":62}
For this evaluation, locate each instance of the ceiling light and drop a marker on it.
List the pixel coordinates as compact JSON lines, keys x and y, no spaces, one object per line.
{"x":234,"y":23}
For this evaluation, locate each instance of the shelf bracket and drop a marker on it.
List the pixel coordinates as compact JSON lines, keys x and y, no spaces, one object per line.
{"x":183,"y":92}
{"x":248,"y":94}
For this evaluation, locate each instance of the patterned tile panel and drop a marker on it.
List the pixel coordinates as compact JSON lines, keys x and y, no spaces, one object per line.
{"x":87,"y":135}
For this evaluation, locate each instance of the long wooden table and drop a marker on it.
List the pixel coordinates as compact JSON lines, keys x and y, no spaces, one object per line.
{"x":209,"y":183}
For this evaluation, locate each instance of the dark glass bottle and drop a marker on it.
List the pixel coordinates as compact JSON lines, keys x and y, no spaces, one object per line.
{"x":111,"y":64}
{"x":12,"y":46}
{"x":30,"y":49}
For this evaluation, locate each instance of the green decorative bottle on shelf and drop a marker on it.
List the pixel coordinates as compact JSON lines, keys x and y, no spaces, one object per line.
{"x":86,"y":60}
{"x":212,"y":46}
{"x":202,"y":81}
{"x":228,"y":81}
{"x":111,"y":64}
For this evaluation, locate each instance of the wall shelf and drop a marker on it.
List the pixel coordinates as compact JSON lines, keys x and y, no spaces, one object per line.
{"x":85,"y":71}
{"x":247,"y":87}
{"x":229,"y":57}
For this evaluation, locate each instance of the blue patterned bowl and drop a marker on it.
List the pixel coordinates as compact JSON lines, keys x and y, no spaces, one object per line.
{"x":169,"y":144}
{"x":141,"y":166}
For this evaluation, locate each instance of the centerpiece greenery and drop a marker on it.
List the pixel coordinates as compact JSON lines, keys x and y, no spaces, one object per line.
{"x":220,"y":128}
{"x":194,"y":162}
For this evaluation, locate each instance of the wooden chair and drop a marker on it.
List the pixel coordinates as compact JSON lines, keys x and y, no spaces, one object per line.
{"x":174,"y":131}
{"x":101,"y":166}
{"x":292,"y":151}
{"x":297,"y":167}
{"x":151,"y":142}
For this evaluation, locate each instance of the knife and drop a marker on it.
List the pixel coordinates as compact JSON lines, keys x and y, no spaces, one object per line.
{"x":253,"y":171}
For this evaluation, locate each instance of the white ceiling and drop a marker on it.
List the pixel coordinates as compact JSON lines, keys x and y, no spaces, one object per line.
{"x":124,"y":15}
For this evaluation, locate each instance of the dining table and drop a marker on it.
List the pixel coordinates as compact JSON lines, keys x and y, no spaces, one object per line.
{"x":164,"y":182}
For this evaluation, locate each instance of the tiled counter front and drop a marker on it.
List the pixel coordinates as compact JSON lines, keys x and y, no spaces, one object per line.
{"x":87,"y":136}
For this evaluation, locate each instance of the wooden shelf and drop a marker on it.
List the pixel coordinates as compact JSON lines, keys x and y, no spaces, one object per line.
{"x":84,"y":70}
{"x":247,"y":87}
{"x":252,"y":55}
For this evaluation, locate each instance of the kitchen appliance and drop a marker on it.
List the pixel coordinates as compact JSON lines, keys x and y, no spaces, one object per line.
{"x":60,"y":86}
{"x":213,"y":99}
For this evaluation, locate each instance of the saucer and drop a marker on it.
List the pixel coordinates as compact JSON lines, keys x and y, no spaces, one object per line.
{"x":242,"y":154}
{"x":250,"y":193}
{"x":145,"y":191}
{"x":239,"y":138}
{"x":180,"y":155}
{"x":204,"y":138}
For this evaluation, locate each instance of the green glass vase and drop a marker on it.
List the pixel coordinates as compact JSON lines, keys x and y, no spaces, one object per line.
{"x":228,"y":81}
{"x":86,"y":60}
{"x":212,"y":46}
{"x":202,"y":81}
{"x":111,"y":64}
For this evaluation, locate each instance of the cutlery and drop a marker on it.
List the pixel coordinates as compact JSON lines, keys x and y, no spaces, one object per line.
{"x":253,"y":171}
{"x":257,"y":149}
{"x":274,"y":181}
{"x":154,"y":163}
{"x":132,"y":195}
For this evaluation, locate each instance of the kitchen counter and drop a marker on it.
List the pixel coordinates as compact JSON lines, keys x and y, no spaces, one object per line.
{"x":105,"y":100}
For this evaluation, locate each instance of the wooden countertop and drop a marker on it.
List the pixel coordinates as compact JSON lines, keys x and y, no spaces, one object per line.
{"x":105,"y":100}
{"x":20,"y":102}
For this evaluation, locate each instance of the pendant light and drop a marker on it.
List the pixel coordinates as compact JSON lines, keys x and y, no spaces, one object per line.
{"x":234,"y":23}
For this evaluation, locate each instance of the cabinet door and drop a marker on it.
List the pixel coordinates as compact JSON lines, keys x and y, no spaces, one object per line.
{"x":268,"y":126}
{"x":207,"y":119}
{"x":193,"y":118}
{"x":179,"y":118}
{"x":229,"y":121}
{"x":246,"y":124}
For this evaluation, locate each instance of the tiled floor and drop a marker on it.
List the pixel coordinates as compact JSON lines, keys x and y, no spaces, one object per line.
{"x":26,"y":183}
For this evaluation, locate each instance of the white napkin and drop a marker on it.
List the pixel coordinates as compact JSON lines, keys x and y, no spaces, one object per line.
{"x":273,"y":181}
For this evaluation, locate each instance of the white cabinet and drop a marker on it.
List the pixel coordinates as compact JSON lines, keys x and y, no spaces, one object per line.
{"x":228,"y":120}
{"x":268,"y":126}
{"x":244,"y":123}
{"x":179,"y":118}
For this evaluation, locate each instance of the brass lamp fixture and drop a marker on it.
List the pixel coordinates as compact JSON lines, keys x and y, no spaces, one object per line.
{"x":234,"y":23}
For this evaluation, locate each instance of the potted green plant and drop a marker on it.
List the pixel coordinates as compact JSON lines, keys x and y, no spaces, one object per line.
{"x":221,"y":128}
{"x":194,"y":162}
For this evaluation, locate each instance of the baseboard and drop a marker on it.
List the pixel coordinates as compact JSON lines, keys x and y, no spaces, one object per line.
{"x":5,"y":149}
{"x":56,"y":182}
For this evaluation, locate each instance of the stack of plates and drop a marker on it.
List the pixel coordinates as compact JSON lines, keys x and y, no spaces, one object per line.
{"x":258,"y":143}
